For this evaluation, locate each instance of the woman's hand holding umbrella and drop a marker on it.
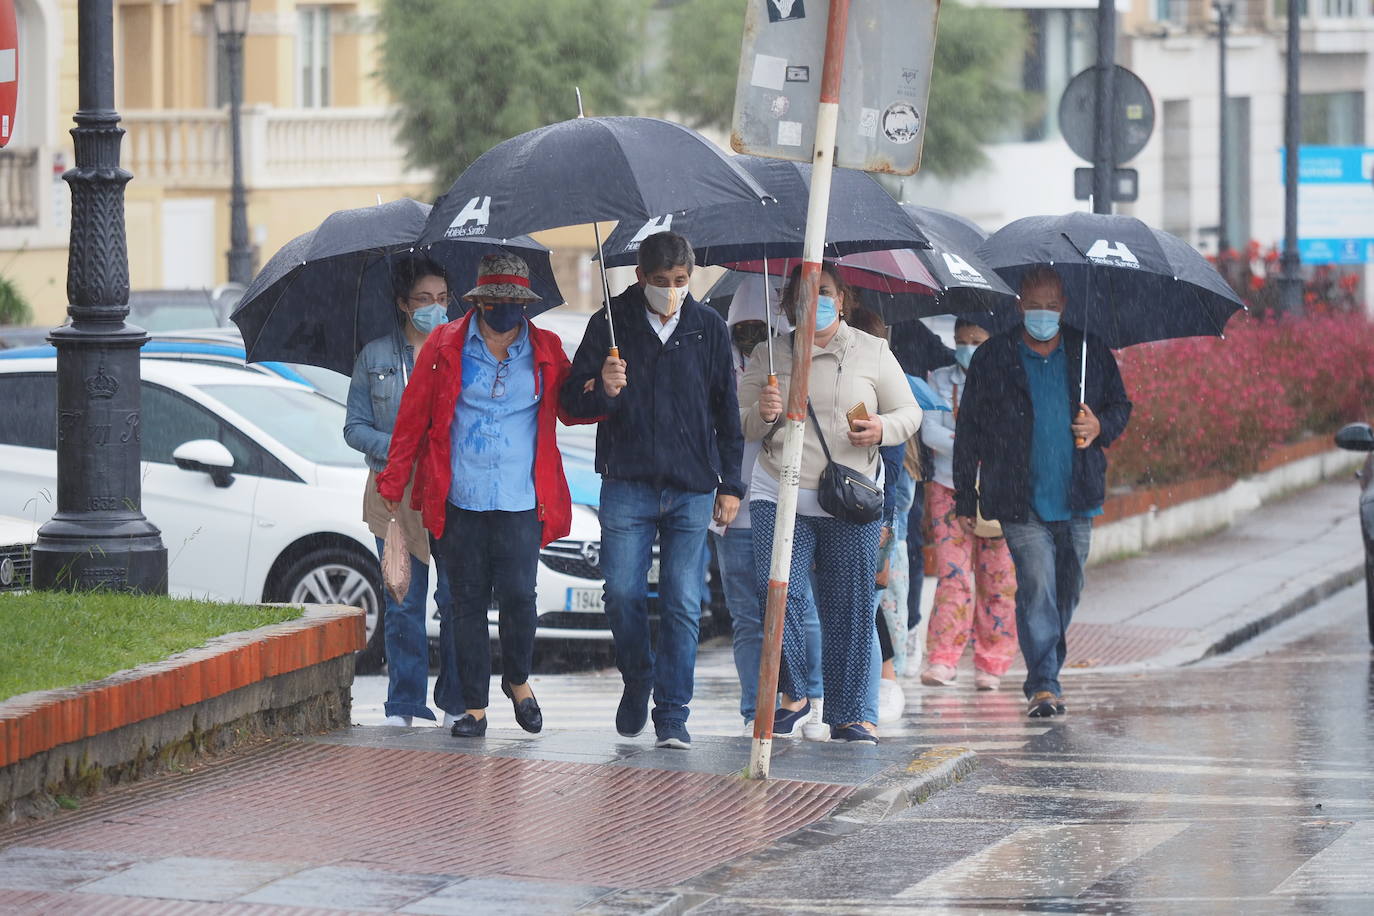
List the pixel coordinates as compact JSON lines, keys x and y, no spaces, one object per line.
{"x":770,"y":401}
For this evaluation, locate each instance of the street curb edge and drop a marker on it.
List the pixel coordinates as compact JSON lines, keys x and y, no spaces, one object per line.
{"x":936,"y":769}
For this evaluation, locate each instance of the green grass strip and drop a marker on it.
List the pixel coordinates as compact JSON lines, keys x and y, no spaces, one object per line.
{"x":61,"y":639}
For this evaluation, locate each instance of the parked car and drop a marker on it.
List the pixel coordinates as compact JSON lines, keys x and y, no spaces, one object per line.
{"x":153,"y":310}
{"x":16,"y":542}
{"x":1359,"y":437}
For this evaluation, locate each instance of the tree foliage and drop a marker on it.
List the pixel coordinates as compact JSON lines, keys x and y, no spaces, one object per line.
{"x":468,"y":74}
{"x":971,"y":94}
{"x":14,"y":308}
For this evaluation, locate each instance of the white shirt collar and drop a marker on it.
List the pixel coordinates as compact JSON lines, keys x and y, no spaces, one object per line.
{"x":663,"y":329}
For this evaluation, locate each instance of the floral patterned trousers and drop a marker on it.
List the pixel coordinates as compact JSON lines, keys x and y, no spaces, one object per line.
{"x":975,"y":594}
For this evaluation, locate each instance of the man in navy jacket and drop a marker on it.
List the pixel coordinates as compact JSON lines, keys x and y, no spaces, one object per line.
{"x":668,"y":452}
{"x":1030,"y":454}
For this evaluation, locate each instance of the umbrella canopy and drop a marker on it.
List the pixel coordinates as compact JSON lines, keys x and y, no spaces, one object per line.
{"x":862,"y":217}
{"x":892,"y":306}
{"x":1123,"y":281}
{"x":966,"y":284}
{"x":585,"y":170}
{"x":327,"y":293}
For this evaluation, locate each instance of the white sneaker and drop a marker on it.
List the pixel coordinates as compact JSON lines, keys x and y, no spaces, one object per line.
{"x":748,"y":730}
{"x":891,"y":701}
{"x":815,"y":729}
{"x":400,"y":721}
{"x":449,"y":719}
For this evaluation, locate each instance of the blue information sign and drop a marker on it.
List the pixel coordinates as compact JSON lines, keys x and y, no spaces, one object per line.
{"x":1336,"y":204}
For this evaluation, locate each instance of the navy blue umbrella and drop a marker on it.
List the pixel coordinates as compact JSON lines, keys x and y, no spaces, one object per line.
{"x":893,"y":307}
{"x":327,"y":293}
{"x":966,"y":283}
{"x":1123,"y":281}
{"x":862,"y":217}
{"x":586,"y":170}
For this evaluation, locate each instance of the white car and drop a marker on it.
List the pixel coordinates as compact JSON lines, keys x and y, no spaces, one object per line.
{"x":16,"y":542}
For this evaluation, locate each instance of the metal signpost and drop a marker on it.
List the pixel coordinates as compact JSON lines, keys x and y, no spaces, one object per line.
{"x":1130,"y":119}
{"x":866,"y":111}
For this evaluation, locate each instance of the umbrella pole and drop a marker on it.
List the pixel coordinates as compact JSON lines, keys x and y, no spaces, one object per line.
{"x":768,"y":317}
{"x":813,"y":248}
{"x":1083,"y":357}
{"x":600,"y":256}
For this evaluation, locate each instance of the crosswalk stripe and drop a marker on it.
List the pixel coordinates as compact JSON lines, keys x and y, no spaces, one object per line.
{"x":1171,"y":798}
{"x":1175,"y":769}
{"x":1059,"y":860}
{"x":1340,"y":868}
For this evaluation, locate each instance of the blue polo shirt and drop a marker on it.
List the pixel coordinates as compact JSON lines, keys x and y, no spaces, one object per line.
{"x":1051,"y":456}
{"x":494,"y":425}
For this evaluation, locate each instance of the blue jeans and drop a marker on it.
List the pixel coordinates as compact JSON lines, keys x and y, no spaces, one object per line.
{"x":735,"y":553}
{"x":915,"y":553}
{"x":407,"y":646}
{"x":448,"y":686}
{"x":1049,"y":558}
{"x":845,"y":558}
{"x":492,"y":553}
{"x":632,"y":514}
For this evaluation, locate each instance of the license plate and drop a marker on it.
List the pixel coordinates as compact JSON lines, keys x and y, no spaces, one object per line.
{"x":585,"y":599}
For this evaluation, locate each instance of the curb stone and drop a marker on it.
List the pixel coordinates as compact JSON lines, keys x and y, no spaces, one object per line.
{"x":936,"y":769}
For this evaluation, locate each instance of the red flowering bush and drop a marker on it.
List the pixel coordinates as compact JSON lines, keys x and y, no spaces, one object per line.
{"x":1208,"y":406}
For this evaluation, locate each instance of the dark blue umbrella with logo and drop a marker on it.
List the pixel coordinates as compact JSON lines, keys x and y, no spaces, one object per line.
{"x":1123,"y":281}
{"x":965,"y":282}
{"x":328,"y":292}
{"x":862,"y":217}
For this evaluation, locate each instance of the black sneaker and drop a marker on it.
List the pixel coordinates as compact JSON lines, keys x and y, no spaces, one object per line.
{"x":1042,"y":706}
{"x":633,"y":711}
{"x":1059,"y":707}
{"x":854,"y":734}
{"x":674,"y":735}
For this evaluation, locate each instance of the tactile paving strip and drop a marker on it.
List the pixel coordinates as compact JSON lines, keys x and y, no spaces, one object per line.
{"x":447,"y":813}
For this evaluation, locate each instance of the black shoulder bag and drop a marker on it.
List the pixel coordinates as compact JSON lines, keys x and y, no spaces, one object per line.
{"x":843,"y":491}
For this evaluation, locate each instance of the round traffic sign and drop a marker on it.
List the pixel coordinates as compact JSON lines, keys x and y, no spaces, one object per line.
{"x":9,"y":69}
{"x":1133,"y":114}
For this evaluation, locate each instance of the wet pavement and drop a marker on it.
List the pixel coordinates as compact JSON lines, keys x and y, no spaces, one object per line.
{"x":1244,"y":785}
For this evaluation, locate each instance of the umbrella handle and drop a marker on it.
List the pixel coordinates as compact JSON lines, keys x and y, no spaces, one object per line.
{"x":615,"y":353}
{"x":772,"y":380}
{"x":1079,"y":440}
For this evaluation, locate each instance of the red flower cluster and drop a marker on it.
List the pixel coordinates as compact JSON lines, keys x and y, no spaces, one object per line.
{"x":1207,"y":406}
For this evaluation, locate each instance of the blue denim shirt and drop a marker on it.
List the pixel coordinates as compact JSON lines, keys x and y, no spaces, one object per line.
{"x":1051,"y":456}
{"x":495,"y":421}
{"x":374,"y":396}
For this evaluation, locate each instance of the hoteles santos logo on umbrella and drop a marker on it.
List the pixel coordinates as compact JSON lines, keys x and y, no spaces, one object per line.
{"x":477,"y":212}
{"x":1112,"y":254}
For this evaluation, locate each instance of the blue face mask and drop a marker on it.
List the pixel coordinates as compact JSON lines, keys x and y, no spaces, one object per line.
{"x":503,"y":316}
{"x":963,"y":354}
{"x":1042,"y":324}
{"x":428,"y":318}
{"x":825,"y":312}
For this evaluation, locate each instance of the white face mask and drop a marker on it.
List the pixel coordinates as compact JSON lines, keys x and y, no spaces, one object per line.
{"x":665,"y":299}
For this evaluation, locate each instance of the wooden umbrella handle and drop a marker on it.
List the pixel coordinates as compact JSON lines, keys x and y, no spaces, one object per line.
{"x":1079,"y":440}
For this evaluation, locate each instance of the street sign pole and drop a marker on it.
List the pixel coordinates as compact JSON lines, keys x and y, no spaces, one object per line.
{"x":1104,"y":156}
{"x":813,"y":247}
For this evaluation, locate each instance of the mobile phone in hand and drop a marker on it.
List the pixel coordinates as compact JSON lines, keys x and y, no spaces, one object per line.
{"x":857,"y":412}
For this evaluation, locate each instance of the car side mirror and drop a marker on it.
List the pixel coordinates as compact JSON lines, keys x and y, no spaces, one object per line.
{"x":1357,"y":437}
{"x":208,"y":457}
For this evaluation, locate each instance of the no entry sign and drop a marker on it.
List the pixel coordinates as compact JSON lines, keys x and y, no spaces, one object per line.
{"x":9,"y":69}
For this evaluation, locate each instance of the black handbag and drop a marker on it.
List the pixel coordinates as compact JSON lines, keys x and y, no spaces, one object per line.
{"x":844,"y":492}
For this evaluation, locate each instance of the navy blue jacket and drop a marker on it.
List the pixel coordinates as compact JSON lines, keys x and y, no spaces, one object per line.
{"x":676,"y":422}
{"x":996,"y":419}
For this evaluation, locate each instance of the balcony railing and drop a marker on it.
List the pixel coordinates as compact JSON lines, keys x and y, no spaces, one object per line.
{"x":320,"y":147}
{"x":18,"y":188}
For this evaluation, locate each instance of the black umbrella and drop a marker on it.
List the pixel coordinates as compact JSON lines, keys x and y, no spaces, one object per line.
{"x":893,"y":307}
{"x":327,"y":293}
{"x":583,"y":171}
{"x":966,"y":283}
{"x":1123,"y":281}
{"x":862,"y":217}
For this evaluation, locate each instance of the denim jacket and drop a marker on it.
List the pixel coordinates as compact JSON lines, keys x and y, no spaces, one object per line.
{"x":374,"y":396}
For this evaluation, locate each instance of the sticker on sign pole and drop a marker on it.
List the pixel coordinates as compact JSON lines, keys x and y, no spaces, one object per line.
{"x":901,"y":123}
{"x":786,"y":10}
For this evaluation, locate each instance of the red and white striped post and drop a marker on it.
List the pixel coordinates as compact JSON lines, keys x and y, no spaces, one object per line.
{"x":813,"y":248}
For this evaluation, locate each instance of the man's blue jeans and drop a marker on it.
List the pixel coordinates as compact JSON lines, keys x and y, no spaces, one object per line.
{"x":632,"y":514}
{"x":407,"y":646}
{"x":735,"y":554}
{"x":1049,"y":558}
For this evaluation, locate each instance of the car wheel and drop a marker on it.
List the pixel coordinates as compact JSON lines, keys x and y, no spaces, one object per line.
{"x":334,"y":575}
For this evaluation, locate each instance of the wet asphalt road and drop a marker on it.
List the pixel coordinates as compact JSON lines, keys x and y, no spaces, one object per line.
{"x":1240,"y":785}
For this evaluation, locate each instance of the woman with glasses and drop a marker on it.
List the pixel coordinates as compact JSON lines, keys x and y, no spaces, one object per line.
{"x":380,"y":374}
{"x":477,"y":425}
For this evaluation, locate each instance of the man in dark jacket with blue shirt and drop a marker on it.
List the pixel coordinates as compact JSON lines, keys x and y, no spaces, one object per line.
{"x":1030,"y":453}
{"x":668,"y":452}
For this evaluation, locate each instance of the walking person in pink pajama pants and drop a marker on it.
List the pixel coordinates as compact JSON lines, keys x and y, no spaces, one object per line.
{"x":976,"y":591}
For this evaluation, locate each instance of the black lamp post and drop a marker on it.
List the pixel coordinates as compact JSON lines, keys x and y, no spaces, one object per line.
{"x":1290,"y":280}
{"x":1224,"y":10}
{"x":1104,"y":156}
{"x":98,"y":536}
{"x":231,"y":24}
